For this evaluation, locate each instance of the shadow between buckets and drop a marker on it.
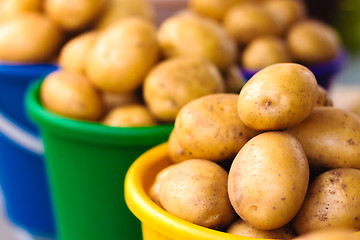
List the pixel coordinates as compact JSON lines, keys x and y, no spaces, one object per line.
{"x":86,"y":165}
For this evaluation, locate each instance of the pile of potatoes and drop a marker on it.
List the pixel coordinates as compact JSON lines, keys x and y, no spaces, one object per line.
{"x":130,"y":81}
{"x":272,"y":31}
{"x":275,"y":161}
{"x":120,"y":67}
{"x":34,"y":31}
{"x":117,"y":66}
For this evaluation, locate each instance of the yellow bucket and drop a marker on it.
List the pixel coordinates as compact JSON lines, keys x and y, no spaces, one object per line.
{"x":157,"y":224}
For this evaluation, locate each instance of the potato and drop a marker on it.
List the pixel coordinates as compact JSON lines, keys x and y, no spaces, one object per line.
{"x":323,"y":98}
{"x":330,"y":234}
{"x":244,"y":22}
{"x":71,"y":95}
{"x":30,"y":37}
{"x":286,"y":12}
{"x":120,"y":9}
{"x":241,"y":228}
{"x":355,"y":106}
{"x":112,"y":100}
{"x":312,"y":42}
{"x":154,"y":189}
{"x":74,"y":16}
{"x":74,"y":53}
{"x":265,"y":51}
{"x":278,"y":97}
{"x":234,"y":80}
{"x":330,"y":137}
{"x":176,"y":152}
{"x":210,"y":128}
{"x":196,"y":36}
{"x":13,"y":8}
{"x":268,"y":180}
{"x":176,"y":81}
{"x":134,"y":115}
{"x":196,"y":191}
{"x":332,"y":201}
{"x":215,"y":9}
{"x":122,"y":55}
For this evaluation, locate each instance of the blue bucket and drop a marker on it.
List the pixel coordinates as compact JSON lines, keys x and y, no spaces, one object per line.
{"x":14,"y":80}
{"x":324,"y":72}
{"x":22,"y":169}
{"x":23,"y":179}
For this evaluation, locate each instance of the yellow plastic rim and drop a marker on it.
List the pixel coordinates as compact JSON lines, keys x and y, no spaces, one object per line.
{"x":139,"y":176}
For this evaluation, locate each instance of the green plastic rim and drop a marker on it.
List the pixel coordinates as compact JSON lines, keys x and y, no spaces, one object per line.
{"x":91,"y":132}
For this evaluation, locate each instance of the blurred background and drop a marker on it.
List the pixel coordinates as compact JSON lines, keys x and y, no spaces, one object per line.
{"x":344,"y":15}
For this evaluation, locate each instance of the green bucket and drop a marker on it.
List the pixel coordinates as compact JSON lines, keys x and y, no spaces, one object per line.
{"x":86,"y":164}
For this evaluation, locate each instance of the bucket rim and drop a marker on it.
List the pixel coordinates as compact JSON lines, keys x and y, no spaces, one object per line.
{"x":20,"y":136}
{"x":91,"y":132}
{"x":154,"y":216}
{"x":25,"y":71}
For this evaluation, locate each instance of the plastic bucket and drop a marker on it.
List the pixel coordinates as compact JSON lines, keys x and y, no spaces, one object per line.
{"x":14,"y":80}
{"x":86,"y":164}
{"x":23,"y":180}
{"x":157,"y":224}
{"x":324,"y":72}
{"x":22,"y":174}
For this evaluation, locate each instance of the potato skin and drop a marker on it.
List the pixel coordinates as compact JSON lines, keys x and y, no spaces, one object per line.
{"x":330,"y":137}
{"x":176,"y":152}
{"x":332,"y":201}
{"x":247,"y":21}
{"x":37,"y":38}
{"x":133,"y":115}
{"x":278,"y":97}
{"x":113,"y":100}
{"x":73,"y":55}
{"x":120,"y":9}
{"x":241,"y":228}
{"x":286,"y":12}
{"x":154,"y":190}
{"x":268,"y":180}
{"x":312,"y":42}
{"x":71,"y":95}
{"x":210,"y":128}
{"x":215,"y":9}
{"x":330,"y":234}
{"x":206,"y":37}
{"x":176,"y":81}
{"x":13,"y":8}
{"x":265,"y":51}
{"x":234,"y":79}
{"x":122,"y":55}
{"x":196,"y":191}
{"x":323,"y":98}
{"x":73,"y":16}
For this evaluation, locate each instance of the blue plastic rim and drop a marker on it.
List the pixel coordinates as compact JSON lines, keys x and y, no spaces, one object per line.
{"x":14,"y":80}
{"x":323,"y":72}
